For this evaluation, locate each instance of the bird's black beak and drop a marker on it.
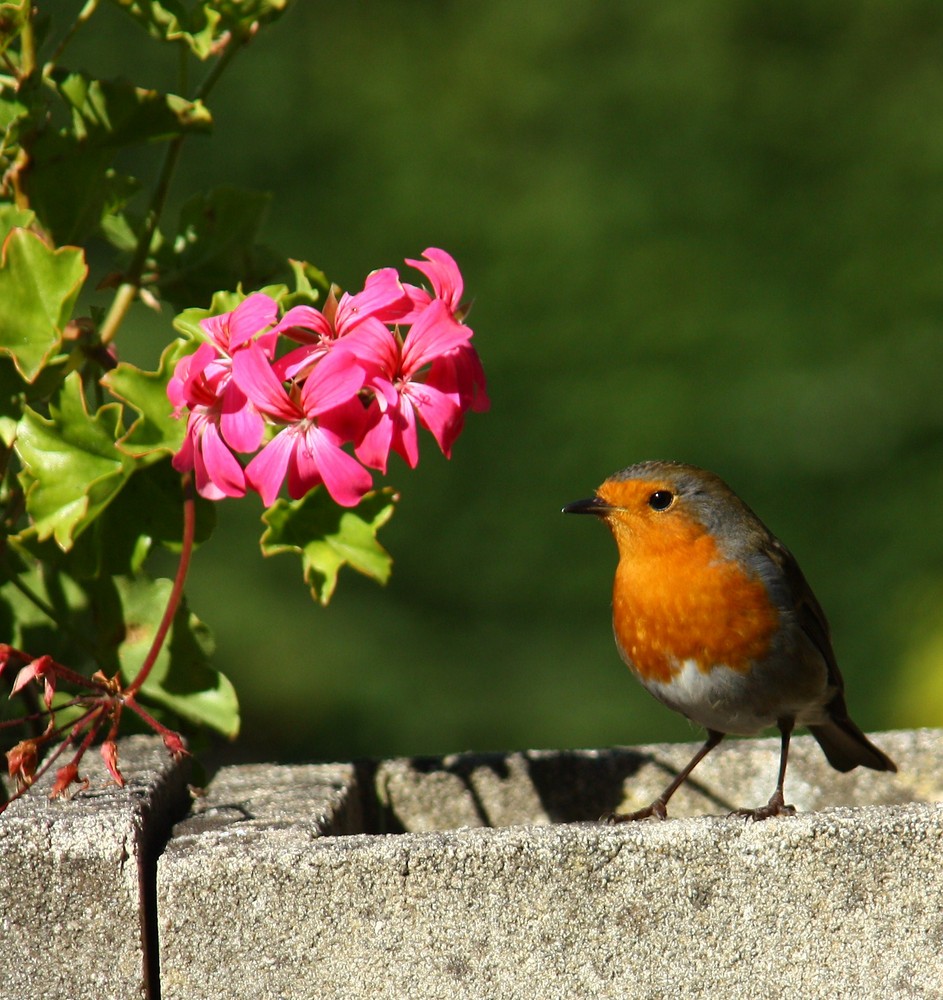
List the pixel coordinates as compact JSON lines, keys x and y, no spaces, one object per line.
{"x":594,"y":505}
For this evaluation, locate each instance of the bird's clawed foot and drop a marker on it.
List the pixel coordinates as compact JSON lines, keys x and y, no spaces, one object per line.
{"x":657,"y":809}
{"x":775,"y":807}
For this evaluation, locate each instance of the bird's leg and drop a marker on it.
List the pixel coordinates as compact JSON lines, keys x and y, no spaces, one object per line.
{"x":777,"y":803}
{"x":659,"y":808}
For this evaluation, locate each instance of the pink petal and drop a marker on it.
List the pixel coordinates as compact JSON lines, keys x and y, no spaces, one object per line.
{"x":460,"y":373}
{"x":376,"y":442}
{"x":241,"y":423}
{"x":218,"y":465}
{"x":266,"y":472}
{"x":298,"y":362}
{"x":320,"y":459}
{"x":419,"y":298}
{"x":254,"y":376}
{"x":217,"y":329}
{"x":251,"y":316}
{"x":192,"y":389}
{"x":347,"y":422}
{"x":183,"y":460}
{"x":300,"y":319}
{"x":443,"y":275}
{"x":383,"y":297}
{"x":405,"y":432}
{"x":335,"y":380}
{"x":439,"y":413}
{"x":374,"y":346}
{"x":176,"y":387}
{"x":433,"y":334}
{"x":268,"y":342}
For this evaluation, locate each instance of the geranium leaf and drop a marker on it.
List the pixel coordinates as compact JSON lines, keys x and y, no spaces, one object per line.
{"x":311,"y":285}
{"x":328,"y":537}
{"x":70,"y":183}
{"x":12,"y":217}
{"x":156,"y":430}
{"x":147,"y":512}
{"x":38,"y":289}
{"x":116,"y":113}
{"x":243,"y":15}
{"x":169,"y":21}
{"x":181,"y":679}
{"x":72,"y":468}
{"x":33,"y":630}
{"x":205,"y":25}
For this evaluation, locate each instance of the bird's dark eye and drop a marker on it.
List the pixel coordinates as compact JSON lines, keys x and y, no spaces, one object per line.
{"x":661,"y":500}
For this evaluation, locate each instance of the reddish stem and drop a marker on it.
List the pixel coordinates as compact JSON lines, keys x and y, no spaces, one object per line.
{"x":60,"y":748}
{"x":94,"y":724}
{"x":169,"y":737}
{"x":79,"y":680}
{"x":39,"y":716}
{"x":176,"y":593}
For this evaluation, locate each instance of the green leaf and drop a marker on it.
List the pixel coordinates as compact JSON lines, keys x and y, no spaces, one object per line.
{"x":34,"y":631}
{"x":215,"y":247}
{"x":115,"y":113}
{"x":147,"y":512}
{"x":15,"y":393}
{"x":156,"y":431}
{"x":169,"y":21}
{"x":328,"y":537}
{"x":38,"y":289}
{"x":151,"y":507}
{"x":181,"y":679}
{"x":244,"y":15}
{"x":311,"y":285}
{"x":120,"y":231}
{"x":70,"y":181}
{"x":206,"y":26}
{"x":12,"y":217}
{"x":72,"y":468}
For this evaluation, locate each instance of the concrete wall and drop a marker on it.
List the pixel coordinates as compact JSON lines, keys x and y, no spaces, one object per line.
{"x":480,"y":876}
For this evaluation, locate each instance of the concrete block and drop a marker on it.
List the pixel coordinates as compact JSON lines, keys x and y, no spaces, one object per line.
{"x":71,"y":906}
{"x":259,"y":897}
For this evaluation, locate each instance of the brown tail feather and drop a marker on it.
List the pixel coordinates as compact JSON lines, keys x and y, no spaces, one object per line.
{"x":846,"y":746}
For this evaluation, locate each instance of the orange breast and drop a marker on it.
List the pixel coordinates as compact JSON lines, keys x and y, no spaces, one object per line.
{"x":676,"y":598}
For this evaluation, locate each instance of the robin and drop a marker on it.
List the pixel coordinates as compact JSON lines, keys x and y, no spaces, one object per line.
{"x":713,"y":615}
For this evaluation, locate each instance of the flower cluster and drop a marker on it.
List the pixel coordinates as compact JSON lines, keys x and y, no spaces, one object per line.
{"x":364,"y":372}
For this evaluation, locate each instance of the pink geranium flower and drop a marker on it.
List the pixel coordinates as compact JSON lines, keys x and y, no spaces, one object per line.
{"x":401,"y":396}
{"x":221,"y":416}
{"x":368,"y":371}
{"x":309,"y":447}
{"x":383,"y":300}
{"x":444,"y":276}
{"x":217,"y":472}
{"x":205,"y":377}
{"x":458,"y":372}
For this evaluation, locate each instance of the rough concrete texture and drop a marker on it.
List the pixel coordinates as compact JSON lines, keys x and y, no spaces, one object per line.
{"x":552,"y":786}
{"x":528,"y":900}
{"x":326,"y":797}
{"x":70,"y":875}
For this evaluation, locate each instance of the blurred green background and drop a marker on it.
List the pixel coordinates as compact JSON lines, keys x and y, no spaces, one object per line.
{"x":694,"y":230}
